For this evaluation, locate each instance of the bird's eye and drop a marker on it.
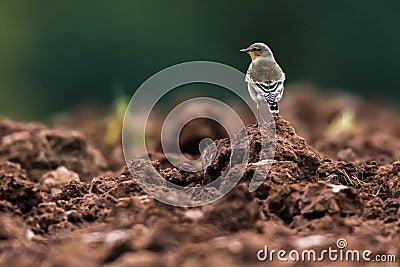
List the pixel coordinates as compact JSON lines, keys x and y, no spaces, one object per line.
{"x":253,"y":49}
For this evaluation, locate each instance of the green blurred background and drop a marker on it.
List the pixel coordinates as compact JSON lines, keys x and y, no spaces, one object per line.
{"x":57,"y":54}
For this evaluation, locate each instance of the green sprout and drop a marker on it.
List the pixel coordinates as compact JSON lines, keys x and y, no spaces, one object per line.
{"x":343,"y":124}
{"x":115,"y":120}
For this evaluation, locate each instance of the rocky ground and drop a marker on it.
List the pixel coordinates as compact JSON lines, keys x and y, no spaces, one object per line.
{"x":66,"y":200}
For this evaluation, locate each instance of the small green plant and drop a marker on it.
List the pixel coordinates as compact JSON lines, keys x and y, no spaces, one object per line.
{"x":115,"y":120}
{"x":343,"y":124}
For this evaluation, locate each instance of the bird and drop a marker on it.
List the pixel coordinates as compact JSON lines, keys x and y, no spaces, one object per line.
{"x":265,"y":78}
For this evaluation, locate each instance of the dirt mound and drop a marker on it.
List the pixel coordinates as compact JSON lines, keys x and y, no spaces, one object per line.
{"x":51,"y":217}
{"x":17,"y":194}
{"x":39,"y":149}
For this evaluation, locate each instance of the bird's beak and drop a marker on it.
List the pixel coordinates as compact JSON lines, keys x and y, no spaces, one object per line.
{"x":245,"y":50}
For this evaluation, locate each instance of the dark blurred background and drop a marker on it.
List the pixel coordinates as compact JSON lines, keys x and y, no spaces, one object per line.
{"x":55,"y":55}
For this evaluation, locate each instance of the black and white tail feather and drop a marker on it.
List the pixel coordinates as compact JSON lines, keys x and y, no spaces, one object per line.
{"x":272,"y":93}
{"x":269,"y":91}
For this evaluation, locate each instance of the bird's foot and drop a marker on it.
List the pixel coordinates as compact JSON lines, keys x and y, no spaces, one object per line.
{"x":259,"y":124}
{"x":276,"y":116}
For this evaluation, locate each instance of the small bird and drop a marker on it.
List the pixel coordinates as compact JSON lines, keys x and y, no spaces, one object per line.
{"x":264,"y":78}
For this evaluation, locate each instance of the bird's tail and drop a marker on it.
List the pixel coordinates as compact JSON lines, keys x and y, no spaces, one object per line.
{"x":273,"y":107}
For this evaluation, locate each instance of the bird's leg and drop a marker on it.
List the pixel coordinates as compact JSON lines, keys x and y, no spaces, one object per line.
{"x":260,"y":119}
{"x":258,"y":115}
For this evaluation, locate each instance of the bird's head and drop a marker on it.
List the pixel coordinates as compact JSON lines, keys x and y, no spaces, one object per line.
{"x":257,"y":50}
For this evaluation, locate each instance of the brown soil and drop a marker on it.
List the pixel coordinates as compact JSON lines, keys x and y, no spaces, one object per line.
{"x":62,"y":205}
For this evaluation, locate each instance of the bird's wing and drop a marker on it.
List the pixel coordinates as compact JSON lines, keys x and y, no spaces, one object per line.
{"x":267,"y":76}
{"x":268,"y":86}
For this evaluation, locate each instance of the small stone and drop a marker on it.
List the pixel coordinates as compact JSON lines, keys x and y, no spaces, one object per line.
{"x":54,"y":181}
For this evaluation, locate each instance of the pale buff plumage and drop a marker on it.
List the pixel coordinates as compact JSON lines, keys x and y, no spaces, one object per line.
{"x":264,"y":77}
